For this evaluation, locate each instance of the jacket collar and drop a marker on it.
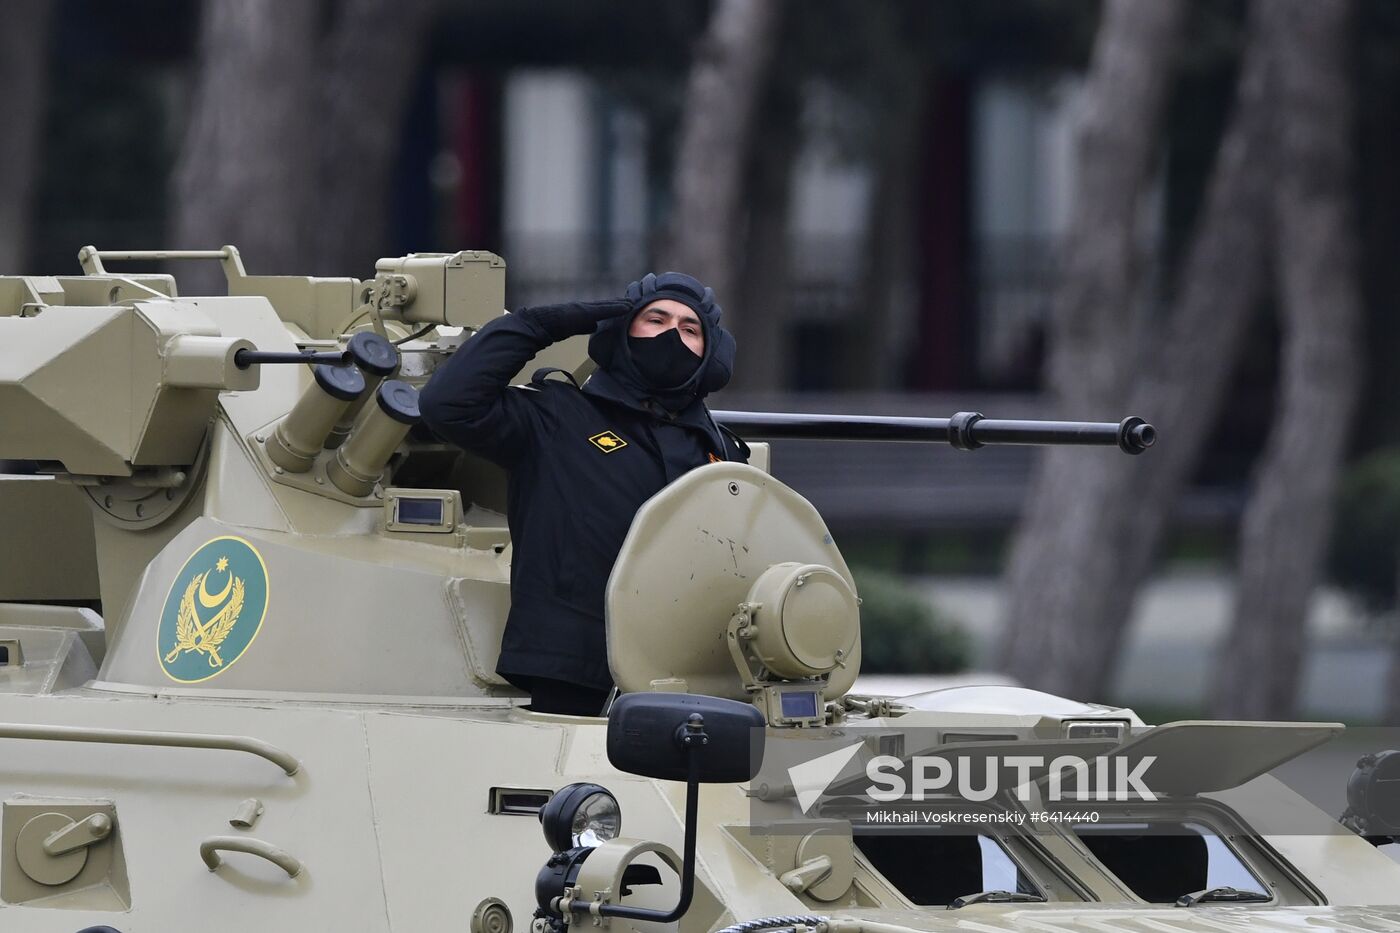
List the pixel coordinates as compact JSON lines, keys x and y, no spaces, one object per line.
{"x":604,"y":385}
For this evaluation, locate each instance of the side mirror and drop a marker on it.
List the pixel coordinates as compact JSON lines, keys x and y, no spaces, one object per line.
{"x":671,"y":737}
{"x":647,"y":736}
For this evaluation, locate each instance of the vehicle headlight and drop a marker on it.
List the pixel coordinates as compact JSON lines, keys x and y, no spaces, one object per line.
{"x":580,"y":815}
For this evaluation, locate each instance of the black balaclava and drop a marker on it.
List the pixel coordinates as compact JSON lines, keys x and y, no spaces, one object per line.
{"x":662,"y":367}
{"x":663,"y":361}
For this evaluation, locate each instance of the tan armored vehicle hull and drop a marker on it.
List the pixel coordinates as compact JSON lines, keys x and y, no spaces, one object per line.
{"x":288,"y":716}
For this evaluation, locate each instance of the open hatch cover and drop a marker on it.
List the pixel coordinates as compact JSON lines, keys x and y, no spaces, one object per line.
{"x":1201,"y":757}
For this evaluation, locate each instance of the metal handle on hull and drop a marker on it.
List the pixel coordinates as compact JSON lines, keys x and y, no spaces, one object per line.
{"x":234,"y":743}
{"x":90,"y":258}
{"x":210,"y":848}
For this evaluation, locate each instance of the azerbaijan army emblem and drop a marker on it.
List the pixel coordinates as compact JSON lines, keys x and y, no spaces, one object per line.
{"x":213,"y":611}
{"x":608,"y":441}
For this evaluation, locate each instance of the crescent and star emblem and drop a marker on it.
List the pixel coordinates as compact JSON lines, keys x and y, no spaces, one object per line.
{"x":207,"y":601}
{"x":205,"y":637}
{"x":213,"y":611}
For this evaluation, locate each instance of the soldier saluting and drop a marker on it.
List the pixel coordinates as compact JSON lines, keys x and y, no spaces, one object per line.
{"x":582,"y":461}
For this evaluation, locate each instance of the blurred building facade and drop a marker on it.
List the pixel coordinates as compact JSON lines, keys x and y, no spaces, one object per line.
{"x":524,"y":146}
{"x":522,"y":143}
{"x":580,"y":212}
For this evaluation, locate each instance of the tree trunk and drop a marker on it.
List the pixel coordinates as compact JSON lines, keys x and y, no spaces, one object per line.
{"x":887,"y":327}
{"x":364,"y":92}
{"x":23,"y":78}
{"x":1187,"y":363}
{"x":245,"y":168}
{"x":1062,"y":559}
{"x":1125,"y":100}
{"x":726,"y":82}
{"x":1288,"y":519}
{"x":765,"y":273}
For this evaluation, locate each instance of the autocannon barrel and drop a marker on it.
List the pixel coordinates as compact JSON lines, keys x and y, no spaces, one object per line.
{"x":372,"y":353}
{"x":246,"y":358}
{"x":967,"y":430}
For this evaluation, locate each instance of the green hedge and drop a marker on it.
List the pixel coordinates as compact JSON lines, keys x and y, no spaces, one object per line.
{"x":901,"y":633}
{"x":1365,"y":544}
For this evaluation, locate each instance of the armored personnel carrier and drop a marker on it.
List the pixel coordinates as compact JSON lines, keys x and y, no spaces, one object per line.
{"x":249,"y":619}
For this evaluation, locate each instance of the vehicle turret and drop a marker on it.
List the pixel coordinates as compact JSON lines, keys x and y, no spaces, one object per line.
{"x":108,"y":390}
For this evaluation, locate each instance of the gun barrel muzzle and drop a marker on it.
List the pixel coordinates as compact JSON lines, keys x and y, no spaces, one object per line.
{"x":1132,"y":435}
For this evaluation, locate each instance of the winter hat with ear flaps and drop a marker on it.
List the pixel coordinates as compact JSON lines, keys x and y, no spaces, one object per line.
{"x":677,"y":286}
{"x":717,"y":363}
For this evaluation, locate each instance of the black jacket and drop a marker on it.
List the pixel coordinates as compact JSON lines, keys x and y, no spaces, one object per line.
{"x":580,"y":464}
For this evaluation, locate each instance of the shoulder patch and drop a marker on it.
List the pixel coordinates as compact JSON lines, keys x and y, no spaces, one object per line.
{"x":608,"y":441}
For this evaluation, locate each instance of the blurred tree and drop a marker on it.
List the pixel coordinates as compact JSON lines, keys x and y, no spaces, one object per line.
{"x":727,"y":80}
{"x":1377,"y":87}
{"x":871,"y":65}
{"x":1371,"y":530}
{"x":23,"y":79}
{"x":296,"y":123}
{"x":762,"y":288}
{"x":246,"y":165}
{"x":901,"y":633}
{"x":373,"y":52}
{"x":898,"y":96}
{"x":1187,"y":357}
{"x":1064,"y":562}
{"x":1287,"y":521}
{"x":1365,"y":545}
{"x":1365,"y":550}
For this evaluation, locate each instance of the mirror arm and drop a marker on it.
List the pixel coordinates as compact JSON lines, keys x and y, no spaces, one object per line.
{"x":694,"y":738}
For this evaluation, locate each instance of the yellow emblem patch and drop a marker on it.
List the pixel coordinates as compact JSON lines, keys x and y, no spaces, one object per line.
{"x":607,"y":442}
{"x":201,"y":633}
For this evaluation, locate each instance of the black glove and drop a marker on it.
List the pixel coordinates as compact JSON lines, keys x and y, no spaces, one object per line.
{"x":574,"y":318}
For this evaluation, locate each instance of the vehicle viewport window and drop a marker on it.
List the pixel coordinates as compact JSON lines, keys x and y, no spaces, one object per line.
{"x":1160,"y":862}
{"x":933,"y":869}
